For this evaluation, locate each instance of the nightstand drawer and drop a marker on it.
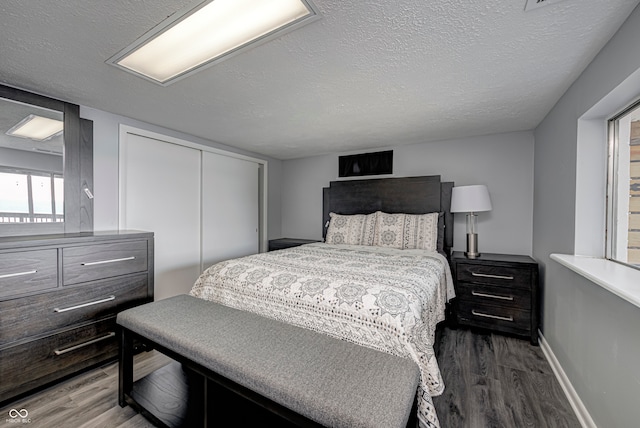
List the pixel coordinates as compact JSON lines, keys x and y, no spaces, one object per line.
{"x":489,"y":316}
{"x":510,"y":297}
{"x":498,"y":292}
{"x":495,"y":275}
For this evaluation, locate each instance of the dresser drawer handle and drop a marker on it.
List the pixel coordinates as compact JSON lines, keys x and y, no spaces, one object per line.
{"x":486,"y":275}
{"x":82,"y":345}
{"x":102,"y":262}
{"x":491,"y":296}
{"x":497,"y":317}
{"x":9,"y":275}
{"x":84,"y":305}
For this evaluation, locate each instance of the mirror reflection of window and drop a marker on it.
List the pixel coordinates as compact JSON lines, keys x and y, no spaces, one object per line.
{"x":58,"y":189}
{"x":41,"y":188}
{"x":14,"y":199}
{"x":31,"y":197}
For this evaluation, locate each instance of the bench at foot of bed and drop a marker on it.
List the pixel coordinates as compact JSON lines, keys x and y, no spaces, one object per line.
{"x":303,"y":377}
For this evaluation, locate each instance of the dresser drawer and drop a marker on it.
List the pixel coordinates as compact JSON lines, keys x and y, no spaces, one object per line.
{"x":26,"y":271}
{"x":39,"y":362}
{"x":495,"y":275}
{"x":41,"y":313}
{"x":87,"y":263}
{"x":506,"y":319}
{"x":510,"y":297}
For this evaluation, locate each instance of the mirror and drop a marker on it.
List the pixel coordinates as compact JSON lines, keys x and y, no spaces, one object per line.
{"x":31,"y":165}
{"x":46,"y":165}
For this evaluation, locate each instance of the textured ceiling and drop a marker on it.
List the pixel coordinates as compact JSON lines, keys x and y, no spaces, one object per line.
{"x":367,"y":74}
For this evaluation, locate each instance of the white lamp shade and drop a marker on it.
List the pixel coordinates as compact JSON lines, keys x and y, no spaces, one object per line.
{"x":466,"y":199}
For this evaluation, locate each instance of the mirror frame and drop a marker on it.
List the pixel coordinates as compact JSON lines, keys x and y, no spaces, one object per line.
{"x":78,"y":168}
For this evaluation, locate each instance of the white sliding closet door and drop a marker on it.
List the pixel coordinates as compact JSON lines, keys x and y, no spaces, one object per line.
{"x":160,"y":192}
{"x":230,"y":208}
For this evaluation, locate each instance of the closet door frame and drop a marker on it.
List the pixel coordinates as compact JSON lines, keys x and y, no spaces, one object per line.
{"x":263,"y":172}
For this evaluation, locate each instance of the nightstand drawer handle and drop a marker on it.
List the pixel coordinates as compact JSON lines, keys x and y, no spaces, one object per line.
{"x":84,"y":305}
{"x":101,"y":262}
{"x":486,"y":275}
{"x":480,"y":314}
{"x":491,"y":296}
{"x":82,"y":345}
{"x":9,"y":275}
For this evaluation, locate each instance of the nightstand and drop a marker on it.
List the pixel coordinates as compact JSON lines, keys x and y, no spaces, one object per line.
{"x":282,"y":243}
{"x":497,"y":292}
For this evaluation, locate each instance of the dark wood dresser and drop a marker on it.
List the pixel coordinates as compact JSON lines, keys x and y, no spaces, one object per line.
{"x":59,"y":296}
{"x":282,"y":243}
{"x":497,"y":292}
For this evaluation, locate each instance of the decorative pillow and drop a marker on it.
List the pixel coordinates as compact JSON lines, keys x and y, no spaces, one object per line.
{"x":357,"y":229}
{"x":389,"y":230}
{"x":407,"y":231}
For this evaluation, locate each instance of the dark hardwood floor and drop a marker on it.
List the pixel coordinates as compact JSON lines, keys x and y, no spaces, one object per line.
{"x":89,"y":400}
{"x":491,"y":381}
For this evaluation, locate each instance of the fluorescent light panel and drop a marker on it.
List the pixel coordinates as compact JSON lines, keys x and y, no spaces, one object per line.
{"x":37,"y":128}
{"x":217,"y":29}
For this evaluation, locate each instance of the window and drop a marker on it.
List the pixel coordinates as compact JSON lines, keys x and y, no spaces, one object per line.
{"x":31,"y":197}
{"x":623,"y":213}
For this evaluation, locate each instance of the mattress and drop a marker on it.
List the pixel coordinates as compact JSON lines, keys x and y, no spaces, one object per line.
{"x":382,"y":298}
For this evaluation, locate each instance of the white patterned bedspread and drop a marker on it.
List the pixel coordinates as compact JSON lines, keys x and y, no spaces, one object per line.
{"x":382,"y":298}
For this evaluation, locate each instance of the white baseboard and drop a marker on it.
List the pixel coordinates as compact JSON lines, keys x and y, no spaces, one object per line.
{"x":576,"y":403}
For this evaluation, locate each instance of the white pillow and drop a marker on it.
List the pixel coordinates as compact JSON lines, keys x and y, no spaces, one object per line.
{"x":356,"y":229}
{"x":407,"y":231}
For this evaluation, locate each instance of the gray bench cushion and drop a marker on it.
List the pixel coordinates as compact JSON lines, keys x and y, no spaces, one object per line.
{"x":331,"y":381}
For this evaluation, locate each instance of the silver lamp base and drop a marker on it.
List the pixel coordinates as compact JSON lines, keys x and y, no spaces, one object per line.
{"x":472,"y":246}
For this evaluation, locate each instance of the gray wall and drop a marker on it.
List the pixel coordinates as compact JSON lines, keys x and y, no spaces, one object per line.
{"x":106,"y":128}
{"x":594,"y":334}
{"x":503,"y":162}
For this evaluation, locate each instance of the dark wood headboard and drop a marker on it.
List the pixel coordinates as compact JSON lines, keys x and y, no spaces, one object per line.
{"x":411,"y":195}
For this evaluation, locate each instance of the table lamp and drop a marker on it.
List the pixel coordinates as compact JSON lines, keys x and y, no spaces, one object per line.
{"x":470,"y":200}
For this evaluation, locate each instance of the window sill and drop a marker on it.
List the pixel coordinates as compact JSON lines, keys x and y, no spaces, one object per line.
{"x":619,"y":279}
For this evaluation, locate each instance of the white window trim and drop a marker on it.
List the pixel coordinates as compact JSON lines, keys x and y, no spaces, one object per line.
{"x":589,"y":259}
{"x":619,"y":128}
{"x":621,"y":280}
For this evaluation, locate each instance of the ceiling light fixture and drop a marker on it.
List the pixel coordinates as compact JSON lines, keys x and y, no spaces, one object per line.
{"x":534,"y":4}
{"x":194,"y":39}
{"x":37,"y":128}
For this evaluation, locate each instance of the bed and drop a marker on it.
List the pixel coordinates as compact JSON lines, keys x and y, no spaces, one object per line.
{"x":380,"y":279}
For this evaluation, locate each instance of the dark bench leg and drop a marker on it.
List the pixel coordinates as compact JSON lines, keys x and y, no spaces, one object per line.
{"x":413,"y":417}
{"x":125,"y":366}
